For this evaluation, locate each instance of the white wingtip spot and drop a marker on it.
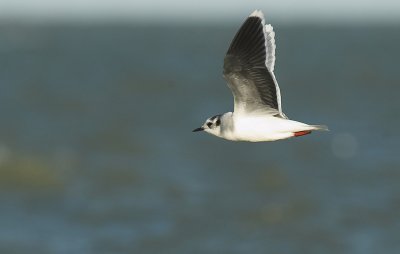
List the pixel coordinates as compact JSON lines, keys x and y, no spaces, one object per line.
{"x":269,"y":28}
{"x":257,"y":13}
{"x":270,"y":47}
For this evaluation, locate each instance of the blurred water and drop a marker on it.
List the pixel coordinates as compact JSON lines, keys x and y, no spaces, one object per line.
{"x":97,"y":153}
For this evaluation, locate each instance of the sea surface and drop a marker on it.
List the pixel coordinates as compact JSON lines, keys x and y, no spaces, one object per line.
{"x":97,"y":153}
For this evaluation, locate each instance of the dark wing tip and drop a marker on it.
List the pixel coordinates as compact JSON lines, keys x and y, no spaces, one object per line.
{"x":248,"y":45}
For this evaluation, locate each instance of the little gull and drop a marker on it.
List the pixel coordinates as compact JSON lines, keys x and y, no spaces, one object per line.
{"x":249,"y":71}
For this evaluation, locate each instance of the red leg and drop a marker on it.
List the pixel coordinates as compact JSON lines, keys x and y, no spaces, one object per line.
{"x":301,"y":133}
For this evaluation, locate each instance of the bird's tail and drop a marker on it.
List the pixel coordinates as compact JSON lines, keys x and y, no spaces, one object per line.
{"x":320,"y":127}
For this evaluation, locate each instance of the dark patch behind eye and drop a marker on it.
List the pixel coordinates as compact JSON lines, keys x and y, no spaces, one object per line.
{"x":218,"y":122}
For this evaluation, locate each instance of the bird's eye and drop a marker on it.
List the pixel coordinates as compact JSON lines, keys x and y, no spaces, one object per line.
{"x":209,"y":124}
{"x":218,"y":122}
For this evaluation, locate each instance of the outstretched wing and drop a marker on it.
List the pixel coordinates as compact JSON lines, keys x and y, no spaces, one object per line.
{"x":248,"y":68}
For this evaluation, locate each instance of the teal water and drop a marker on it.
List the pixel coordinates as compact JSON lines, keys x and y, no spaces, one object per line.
{"x":97,"y":153}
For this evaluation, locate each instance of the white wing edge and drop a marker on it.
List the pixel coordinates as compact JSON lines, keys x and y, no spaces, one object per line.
{"x":257,"y":13}
{"x":278,"y":96}
{"x":270,"y":45}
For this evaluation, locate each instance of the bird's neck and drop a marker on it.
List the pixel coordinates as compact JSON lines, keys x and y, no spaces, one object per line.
{"x":227,"y":126}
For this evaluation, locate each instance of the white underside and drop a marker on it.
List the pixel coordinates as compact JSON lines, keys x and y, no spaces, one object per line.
{"x":263,"y":128}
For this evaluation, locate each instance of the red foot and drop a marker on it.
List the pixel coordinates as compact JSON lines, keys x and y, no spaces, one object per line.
{"x":301,"y":133}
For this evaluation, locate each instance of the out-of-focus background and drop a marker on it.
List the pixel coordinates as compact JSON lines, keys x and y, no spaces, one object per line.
{"x":98,"y":100}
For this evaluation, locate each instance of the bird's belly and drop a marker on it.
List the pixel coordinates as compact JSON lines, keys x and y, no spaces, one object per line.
{"x":263,"y":129}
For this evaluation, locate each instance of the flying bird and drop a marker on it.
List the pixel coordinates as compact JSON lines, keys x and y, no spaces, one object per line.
{"x":249,"y":72}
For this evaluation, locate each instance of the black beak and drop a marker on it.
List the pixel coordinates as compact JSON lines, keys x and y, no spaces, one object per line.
{"x":198,"y":129}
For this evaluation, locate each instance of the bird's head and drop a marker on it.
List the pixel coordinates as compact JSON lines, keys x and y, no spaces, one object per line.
{"x":212,"y":125}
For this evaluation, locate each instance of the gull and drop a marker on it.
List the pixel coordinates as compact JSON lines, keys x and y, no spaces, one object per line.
{"x":249,"y":71}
